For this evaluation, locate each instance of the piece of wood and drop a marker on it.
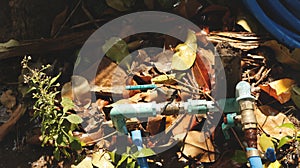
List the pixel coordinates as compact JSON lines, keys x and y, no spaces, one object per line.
{"x":8,"y":125}
{"x":40,"y":46}
{"x":241,"y":40}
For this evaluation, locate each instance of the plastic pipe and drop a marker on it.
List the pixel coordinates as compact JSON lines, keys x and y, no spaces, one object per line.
{"x":254,"y":158}
{"x":283,"y":35}
{"x":137,"y":140}
{"x":281,"y":13}
{"x":120,"y":112}
{"x":140,"y":87}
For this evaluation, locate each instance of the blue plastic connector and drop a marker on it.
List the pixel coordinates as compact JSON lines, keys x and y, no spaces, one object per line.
{"x":255,"y":161}
{"x":270,"y":154}
{"x":137,"y":140}
{"x":229,"y":124}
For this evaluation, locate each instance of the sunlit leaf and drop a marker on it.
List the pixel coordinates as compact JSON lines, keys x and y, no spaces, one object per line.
{"x":75,"y":119}
{"x":54,"y":79}
{"x":67,"y":104}
{"x":275,"y":164}
{"x":185,"y":54}
{"x":165,"y":79}
{"x":280,"y":89}
{"x":123,"y":158}
{"x":85,"y":163}
{"x":144,"y":152}
{"x":283,"y":141}
{"x":288,"y":125}
{"x":265,"y":142}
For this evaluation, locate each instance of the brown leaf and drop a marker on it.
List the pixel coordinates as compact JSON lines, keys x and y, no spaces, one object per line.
{"x":58,"y":21}
{"x":197,"y":145}
{"x":8,"y":99}
{"x":188,"y":8}
{"x":270,"y":124}
{"x":280,"y":89}
{"x":155,"y":124}
{"x":200,"y":72}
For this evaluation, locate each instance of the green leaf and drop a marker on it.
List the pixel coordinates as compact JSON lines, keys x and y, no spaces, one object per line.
{"x":288,"y":125}
{"x":54,"y":79}
{"x":124,"y":157}
{"x":130,"y":163}
{"x":75,"y":145}
{"x":239,"y":156}
{"x":74,"y":118}
{"x":56,"y":153}
{"x":144,"y":152}
{"x":121,"y":5}
{"x":61,"y":140}
{"x":67,"y":104}
{"x":265,"y":142}
{"x":117,"y":50}
{"x":283,"y":141}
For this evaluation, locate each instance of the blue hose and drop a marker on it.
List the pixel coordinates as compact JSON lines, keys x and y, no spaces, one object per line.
{"x":281,"y":13}
{"x":255,"y":161}
{"x":283,"y":35}
{"x":293,"y":5}
{"x":137,"y":140}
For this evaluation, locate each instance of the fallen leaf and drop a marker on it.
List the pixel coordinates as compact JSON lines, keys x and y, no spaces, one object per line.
{"x":265,"y":142}
{"x":197,"y":145}
{"x":85,"y":163}
{"x":164,"y":79}
{"x":185,"y":54}
{"x":82,"y":91}
{"x":188,"y":8}
{"x":121,"y":5}
{"x":296,"y":95}
{"x":280,"y":89}
{"x":271,"y":124}
{"x":284,"y":55}
{"x":101,"y":160}
{"x":164,"y":61}
{"x":156,"y":124}
{"x":59,"y":21}
{"x":200,"y":72}
{"x":8,"y":99}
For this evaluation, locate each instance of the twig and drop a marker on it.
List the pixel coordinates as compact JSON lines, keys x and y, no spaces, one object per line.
{"x":68,"y":18}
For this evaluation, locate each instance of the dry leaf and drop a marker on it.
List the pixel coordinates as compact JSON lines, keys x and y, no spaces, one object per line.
{"x":101,"y":160}
{"x":185,"y":54}
{"x":200,"y":72}
{"x":8,"y":99}
{"x":198,"y":146}
{"x":270,"y":124}
{"x":188,"y":8}
{"x":280,"y":89}
{"x":155,"y":124}
{"x":81,"y":91}
{"x":85,"y":163}
{"x":59,"y":21}
{"x":284,"y":55}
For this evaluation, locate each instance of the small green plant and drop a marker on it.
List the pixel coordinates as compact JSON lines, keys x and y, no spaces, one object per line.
{"x":57,"y":123}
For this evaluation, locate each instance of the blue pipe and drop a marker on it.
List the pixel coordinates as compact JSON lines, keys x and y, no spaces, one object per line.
{"x":136,"y":137}
{"x":281,"y":13}
{"x":293,"y":5}
{"x":283,"y":35}
{"x":255,"y":161}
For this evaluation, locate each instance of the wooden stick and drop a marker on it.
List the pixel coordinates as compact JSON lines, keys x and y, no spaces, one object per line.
{"x":41,"y":46}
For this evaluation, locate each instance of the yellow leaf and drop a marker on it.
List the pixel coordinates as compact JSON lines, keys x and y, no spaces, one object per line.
{"x":275,"y":164}
{"x":185,"y":54}
{"x":265,"y":142}
{"x":280,"y":89}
